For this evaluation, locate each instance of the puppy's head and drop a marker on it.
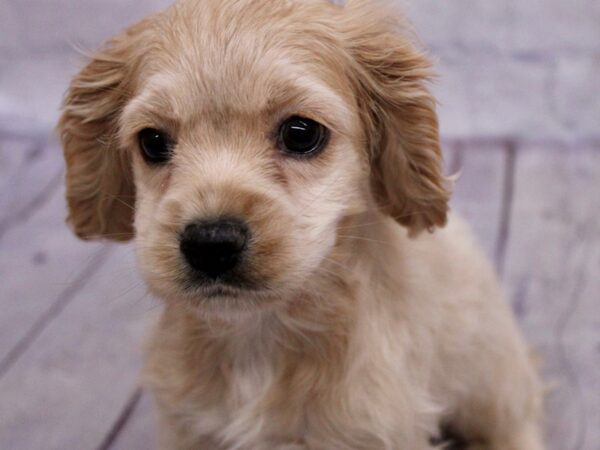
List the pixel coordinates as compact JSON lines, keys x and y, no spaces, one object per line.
{"x":230,"y":138}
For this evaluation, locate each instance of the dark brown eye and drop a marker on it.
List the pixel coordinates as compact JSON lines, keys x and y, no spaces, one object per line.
{"x":155,"y":145}
{"x":303,"y":137}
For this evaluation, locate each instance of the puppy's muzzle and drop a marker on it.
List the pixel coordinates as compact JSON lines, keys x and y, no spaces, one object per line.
{"x":214,"y":249}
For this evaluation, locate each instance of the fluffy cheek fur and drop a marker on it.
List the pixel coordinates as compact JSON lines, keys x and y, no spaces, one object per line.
{"x":293,"y":220}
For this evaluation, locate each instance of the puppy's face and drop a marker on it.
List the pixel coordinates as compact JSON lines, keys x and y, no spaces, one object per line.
{"x":246,"y":132}
{"x":246,"y":154}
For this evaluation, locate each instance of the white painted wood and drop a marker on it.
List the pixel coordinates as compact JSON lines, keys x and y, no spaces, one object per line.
{"x":13,"y":153}
{"x":69,"y":388}
{"x":478,"y":194}
{"x":40,"y":259}
{"x":552,"y":270}
{"x":449,"y":157}
{"x":30,"y":171}
{"x":140,"y":431}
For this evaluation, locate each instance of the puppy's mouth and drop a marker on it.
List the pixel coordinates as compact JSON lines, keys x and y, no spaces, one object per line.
{"x":220,"y":291}
{"x":238,"y":290}
{"x":228,"y":303}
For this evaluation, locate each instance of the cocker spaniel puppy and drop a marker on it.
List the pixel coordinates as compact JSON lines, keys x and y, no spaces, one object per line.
{"x":278,"y":165}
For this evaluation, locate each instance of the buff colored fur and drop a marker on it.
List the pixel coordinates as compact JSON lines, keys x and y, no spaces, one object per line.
{"x":372,"y":326}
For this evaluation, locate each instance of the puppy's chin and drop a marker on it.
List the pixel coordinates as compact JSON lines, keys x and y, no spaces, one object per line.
{"x":221,"y":303}
{"x":227,"y":311}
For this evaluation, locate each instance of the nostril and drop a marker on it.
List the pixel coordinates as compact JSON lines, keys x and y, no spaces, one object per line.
{"x":227,"y":234}
{"x":214,"y":248}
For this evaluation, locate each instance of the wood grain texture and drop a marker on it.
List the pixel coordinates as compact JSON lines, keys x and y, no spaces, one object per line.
{"x":41,"y":261}
{"x":140,"y":431}
{"x":68,"y":389}
{"x":31,"y":171}
{"x":480,"y":189}
{"x":552,"y":271}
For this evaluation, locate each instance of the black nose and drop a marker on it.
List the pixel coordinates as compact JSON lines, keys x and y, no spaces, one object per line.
{"x":214,"y":248}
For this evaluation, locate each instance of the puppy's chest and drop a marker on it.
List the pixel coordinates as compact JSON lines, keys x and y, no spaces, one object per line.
{"x":256,"y":400}
{"x":248,"y":385}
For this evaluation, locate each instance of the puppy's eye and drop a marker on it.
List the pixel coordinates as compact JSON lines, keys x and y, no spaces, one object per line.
{"x":300,"y":136}
{"x":155,"y":145}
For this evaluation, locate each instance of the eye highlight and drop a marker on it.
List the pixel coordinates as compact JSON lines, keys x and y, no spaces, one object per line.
{"x":156,"y":145}
{"x":302,"y":137}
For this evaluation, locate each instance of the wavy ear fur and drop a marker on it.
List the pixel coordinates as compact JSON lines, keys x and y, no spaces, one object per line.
{"x":400,"y":116}
{"x":100,"y":189}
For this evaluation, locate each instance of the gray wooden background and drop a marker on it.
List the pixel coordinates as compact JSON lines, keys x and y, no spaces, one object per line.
{"x":520,"y":109}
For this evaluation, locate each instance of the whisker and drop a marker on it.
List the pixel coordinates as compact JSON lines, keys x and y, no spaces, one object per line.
{"x":120,"y":200}
{"x":332,"y":261}
{"x":360,"y":238}
{"x":383,"y":219}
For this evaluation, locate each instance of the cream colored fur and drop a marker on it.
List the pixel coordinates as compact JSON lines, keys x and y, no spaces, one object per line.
{"x":371,"y":325}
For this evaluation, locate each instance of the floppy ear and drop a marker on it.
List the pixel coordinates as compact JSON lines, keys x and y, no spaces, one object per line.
{"x":100,"y":189}
{"x":400,"y":117}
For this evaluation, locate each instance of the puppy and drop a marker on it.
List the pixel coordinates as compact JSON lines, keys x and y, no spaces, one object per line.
{"x":278,"y":165}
